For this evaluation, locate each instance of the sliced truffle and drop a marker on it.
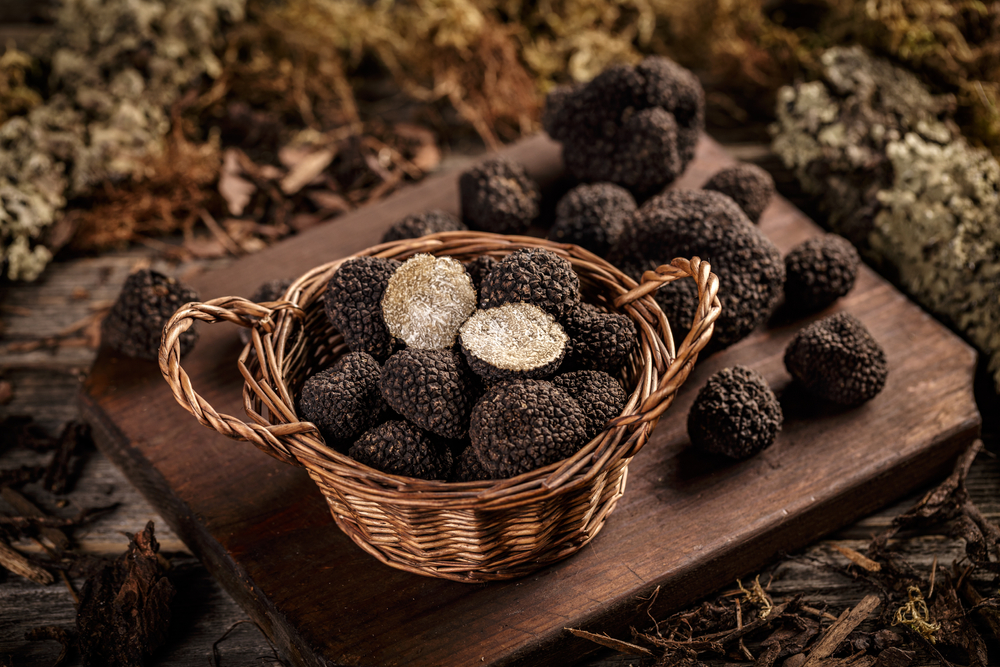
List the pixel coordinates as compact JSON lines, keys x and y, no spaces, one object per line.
{"x":401,"y":448}
{"x":747,"y":184}
{"x":513,"y":341}
{"x":272,"y":290}
{"x":479,"y":268}
{"x":354,"y":304}
{"x":520,"y":426}
{"x":533,"y":275}
{"x":709,"y":225}
{"x":421,"y":224}
{"x":134,"y":325}
{"x":634,"y":126}
{"x":837,"y":359}
{"x":599,"y":340}
{"x":434,"y":389}
{"x":592,"y":216}
{"x":426,"y":300}
{"x":344,"y":400}
{"x":819,"y":271}
{"x":735,"y":414}
{"x":498,"y":196}
{"x":600,"y":393}
{"x":468,"y":468}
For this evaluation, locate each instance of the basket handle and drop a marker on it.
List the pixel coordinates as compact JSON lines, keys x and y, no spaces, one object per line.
{"x":246,"y":314}
{"x":697,"y":338}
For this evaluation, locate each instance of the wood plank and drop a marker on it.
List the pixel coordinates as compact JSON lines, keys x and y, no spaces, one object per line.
{"x":685,"y":523}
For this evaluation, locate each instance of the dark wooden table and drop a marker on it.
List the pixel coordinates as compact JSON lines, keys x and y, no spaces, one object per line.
{"x":45,"y":383}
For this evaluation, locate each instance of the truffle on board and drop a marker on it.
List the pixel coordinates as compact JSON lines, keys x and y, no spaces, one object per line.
{"x":602,"y":395}
{"x":747,"y":184}
{"x":837,"y":359}
{"x":420,"y":224}
{"x":434,"y":389}
{"x":598,"y":340}
{"x":709,"y":225}
{"x":353,"y":303}
{"x":344,"y":400}
{"x":426,"y":299}
{"x":498,"y":196}
{"x":819,"y":271}
{"x":513,"y":341}
{"x":592,"y":215}
{"x":735,"y":414}
{"x":634,"y":126}
{"x":148,"y":299}
{"x":401,"y":448}
{"x":520,"y":426}
{"x":533,"y":275}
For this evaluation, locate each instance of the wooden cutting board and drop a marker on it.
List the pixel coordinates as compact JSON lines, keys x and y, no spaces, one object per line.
{"x":686,"y":523}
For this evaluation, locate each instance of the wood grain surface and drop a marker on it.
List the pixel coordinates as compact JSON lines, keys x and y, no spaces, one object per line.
{"x":686,"y":523}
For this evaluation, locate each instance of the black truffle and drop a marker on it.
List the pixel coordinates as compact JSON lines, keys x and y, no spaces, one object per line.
{"x":468,"y":468}
{"x":401,"y":448}
{"x":272,"y":290}
{"x":434,"y":389}
{"x":634,"y":126}
{"x":709,"y":225}
{"x":498,"y":196}
{"x":735,"y":414}
{"x":592,"y":216}
{"x":536,"y":276}
{"x":836,"y":358}
{"x":521,"y":426}
{"x":600,"y":394}
{"x":344,"y":400}
{"x":513,"y":341}
{"x":747,"y":184}
{"x":147,"y":300}
{"x":420,"y":224}
{"x":599,"y":340}
{"x":479,"y":268}
{"x":819,"y":271}
{"x":354,"y":304}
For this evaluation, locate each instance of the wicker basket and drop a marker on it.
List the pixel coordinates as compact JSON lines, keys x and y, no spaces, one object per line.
{"x":473,"y":531}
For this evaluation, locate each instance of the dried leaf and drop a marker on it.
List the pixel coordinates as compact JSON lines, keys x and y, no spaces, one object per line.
{"x":124,"y":610}
{"x":236,"y":190}
{"x":306,"y":170}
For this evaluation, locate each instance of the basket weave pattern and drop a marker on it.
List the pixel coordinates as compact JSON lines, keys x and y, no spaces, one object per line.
{"x":472,"y":531}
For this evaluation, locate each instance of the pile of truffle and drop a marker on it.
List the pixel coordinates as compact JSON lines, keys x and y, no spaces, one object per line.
{"x":467,"y":372}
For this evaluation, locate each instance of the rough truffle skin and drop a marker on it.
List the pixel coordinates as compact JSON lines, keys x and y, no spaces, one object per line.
{"x":272,"y":290}
{"x":520,"y":426}
{"x":592,"y":216}
{"x":479,"y":268}
{"x":599,"y":340}
{"x":401,"y":448}
{"x":434,"y":389}
{"x":536,"y":276}
{"x":420,"y":224}
{"x":353,"y":304}
{"x":498,"y":196}
{"x":147,"y":300}
{"x":709,"y":225}
{"x":600,"y":396}
{"x":819,"y":271}
{"x":344,"y":400}
{"x":837,"y":359}
{"x":634,"y":126}
{"x":735,"y":414}
{"x":468,"y":468}
{"x":747,"y":184}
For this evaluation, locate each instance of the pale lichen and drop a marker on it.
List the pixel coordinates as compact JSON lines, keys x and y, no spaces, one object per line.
{"x":898,"y":178}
